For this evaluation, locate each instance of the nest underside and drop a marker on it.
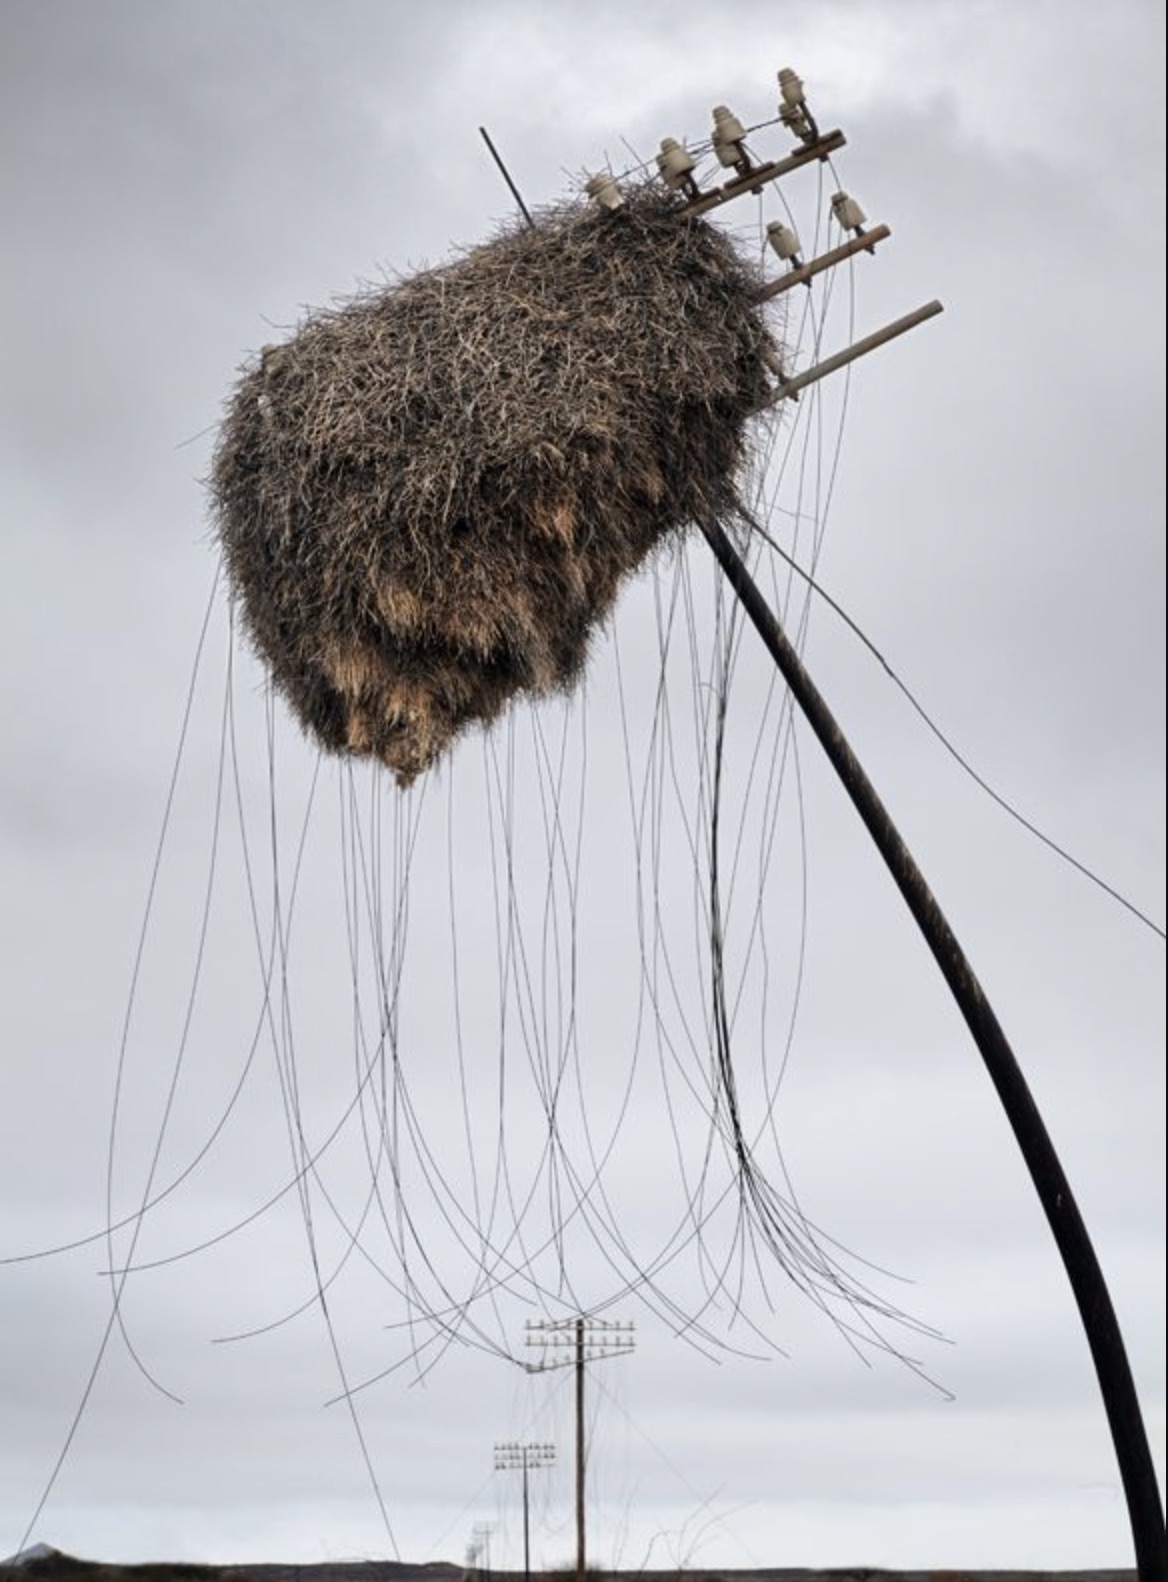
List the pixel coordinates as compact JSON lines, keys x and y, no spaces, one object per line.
{"x":429,"y":496}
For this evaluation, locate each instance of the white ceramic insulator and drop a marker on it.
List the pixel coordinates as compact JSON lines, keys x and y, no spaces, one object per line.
{"x":729,"y":135}
{"x":791,"y":88}
{"x":847,"y":211}
{"x":604,"y":189}
{"x":674,"y":161}
{"x":783,"y":239}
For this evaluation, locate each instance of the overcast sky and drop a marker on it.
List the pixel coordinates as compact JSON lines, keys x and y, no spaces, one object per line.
{"x":182,"y":180}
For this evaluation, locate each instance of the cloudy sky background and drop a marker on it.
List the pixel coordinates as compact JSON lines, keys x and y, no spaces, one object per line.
{"x":181,"y":178}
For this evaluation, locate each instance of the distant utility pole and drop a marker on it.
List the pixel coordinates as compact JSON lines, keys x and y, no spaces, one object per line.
{"x":479,"y":1552}
{"x":511,"y":1457}
{"x":586,"y":1340}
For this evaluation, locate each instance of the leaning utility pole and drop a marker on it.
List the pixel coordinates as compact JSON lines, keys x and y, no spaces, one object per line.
{"x":510,"y":1457}
{"x":589,"y":1340}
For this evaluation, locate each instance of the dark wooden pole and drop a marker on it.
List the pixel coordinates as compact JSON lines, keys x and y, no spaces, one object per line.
{"x":1100,"y":1324}
{"x":580,"y":1563}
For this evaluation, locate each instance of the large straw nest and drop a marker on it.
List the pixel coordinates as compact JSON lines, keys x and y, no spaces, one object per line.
{"x":429,"y":496}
